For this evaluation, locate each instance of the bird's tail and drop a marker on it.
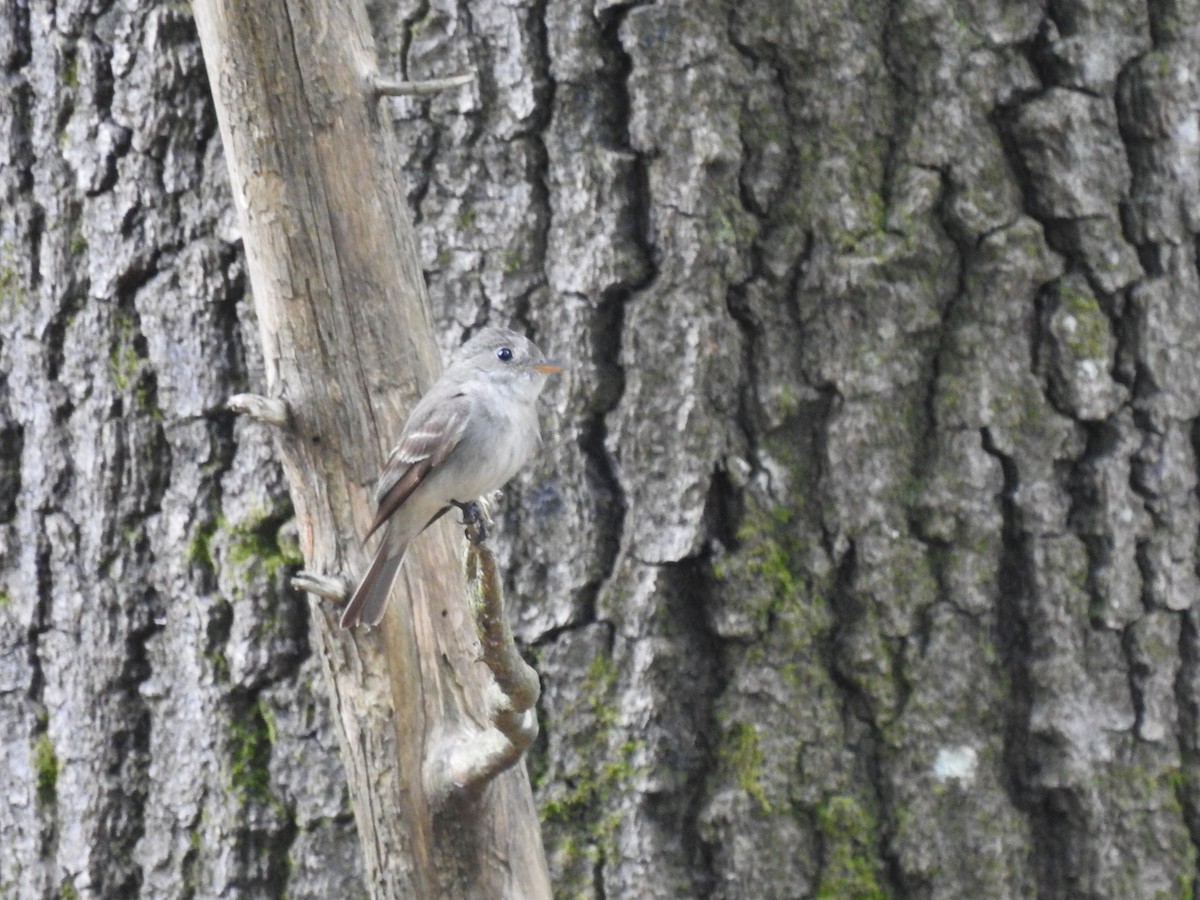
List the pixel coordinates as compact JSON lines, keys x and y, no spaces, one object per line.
{"x":370,"y":598}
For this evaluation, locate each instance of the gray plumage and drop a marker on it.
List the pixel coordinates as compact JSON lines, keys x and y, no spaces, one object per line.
{"x":469,"y":434}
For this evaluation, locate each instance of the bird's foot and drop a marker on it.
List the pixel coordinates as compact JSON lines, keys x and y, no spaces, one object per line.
{"x":470,"y":512}
{"x":474,"y":521}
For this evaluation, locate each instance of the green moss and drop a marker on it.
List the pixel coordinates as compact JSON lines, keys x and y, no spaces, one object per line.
{"x":145,"y":399}
{"x":45,"y":766}
{"x":70,"y":70}
{"x":10,"y":276}
{"x":875,"y":212}
{"x":730,"y":224}
{"x":258,"y":540}
{"x":1185,"y":890}
{"x":740,"y":751}
{"x":787,"y":401}
{"x":597,"y":689}
{"x":5,"y":598}
{"x":1090,"y":336}
{"x":189,"y":868}
{"x":767,"y":556}
{"x":123,"y":364}
{"x":269,"y":721}
{"x":591,"y":787}
{"x":127,"y":363}
{"x":79,"y":243}
{"x":220,"y":665}
{"x":67,"y":890}
{"x":466,"y":219}
{"x":851,"y":867}
{"x":8,"y":283}
{"x":763,"y":567}
{"x":199,"y":551}
{"x":251,"y":737}
{"x":514,"y":261}
{"x":725,"y":230}
{"x":603,"y":771}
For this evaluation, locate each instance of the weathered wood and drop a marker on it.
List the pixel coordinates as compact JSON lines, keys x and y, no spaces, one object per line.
{"x":267,"y":410}
{"x":346,"y":330}
{"x":388,"y":87}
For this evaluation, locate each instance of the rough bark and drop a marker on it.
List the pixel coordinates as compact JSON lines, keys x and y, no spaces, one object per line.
{"x":164,"y":728}
{"x":870,"y":499}
{"x":877,"y":460}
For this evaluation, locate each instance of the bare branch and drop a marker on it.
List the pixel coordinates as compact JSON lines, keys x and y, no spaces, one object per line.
{"x":517,"y":680}
{"x":325,"y":586}
{"x":464,"y":762}
{"x":268,"y":410}
{"x":386,"y":87}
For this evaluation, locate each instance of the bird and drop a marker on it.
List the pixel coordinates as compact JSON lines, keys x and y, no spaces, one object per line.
{"x":468,"y":435}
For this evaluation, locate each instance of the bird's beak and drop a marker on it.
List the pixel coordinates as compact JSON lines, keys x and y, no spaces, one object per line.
{"x":548,"y":368}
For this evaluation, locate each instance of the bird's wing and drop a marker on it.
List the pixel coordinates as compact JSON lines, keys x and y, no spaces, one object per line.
{"x":429,"y":436}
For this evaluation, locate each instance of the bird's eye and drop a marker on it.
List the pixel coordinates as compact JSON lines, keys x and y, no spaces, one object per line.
{"x":504,"y":354}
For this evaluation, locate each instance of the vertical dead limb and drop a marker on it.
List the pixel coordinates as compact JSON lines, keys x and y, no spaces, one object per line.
{"x":348,"y":343}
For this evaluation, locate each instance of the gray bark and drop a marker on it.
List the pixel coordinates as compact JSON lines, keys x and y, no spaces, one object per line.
{"x":164,"y":728}
{"x":869,"y":503}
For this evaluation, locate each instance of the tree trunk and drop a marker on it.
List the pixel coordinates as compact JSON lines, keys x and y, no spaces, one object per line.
{"x":860,"y":559}
{"x":165,"y":730}
{"x":877,"y":459}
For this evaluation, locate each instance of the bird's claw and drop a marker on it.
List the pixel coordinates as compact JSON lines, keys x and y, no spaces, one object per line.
{"x":474,"y":522}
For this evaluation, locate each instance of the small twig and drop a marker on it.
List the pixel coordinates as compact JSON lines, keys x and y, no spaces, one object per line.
{"x":268,"y":410}
{"x":325,"y":586}
{"x":387,"y":87}
{"x":462,"y":763}
{"x":517,"y":680}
